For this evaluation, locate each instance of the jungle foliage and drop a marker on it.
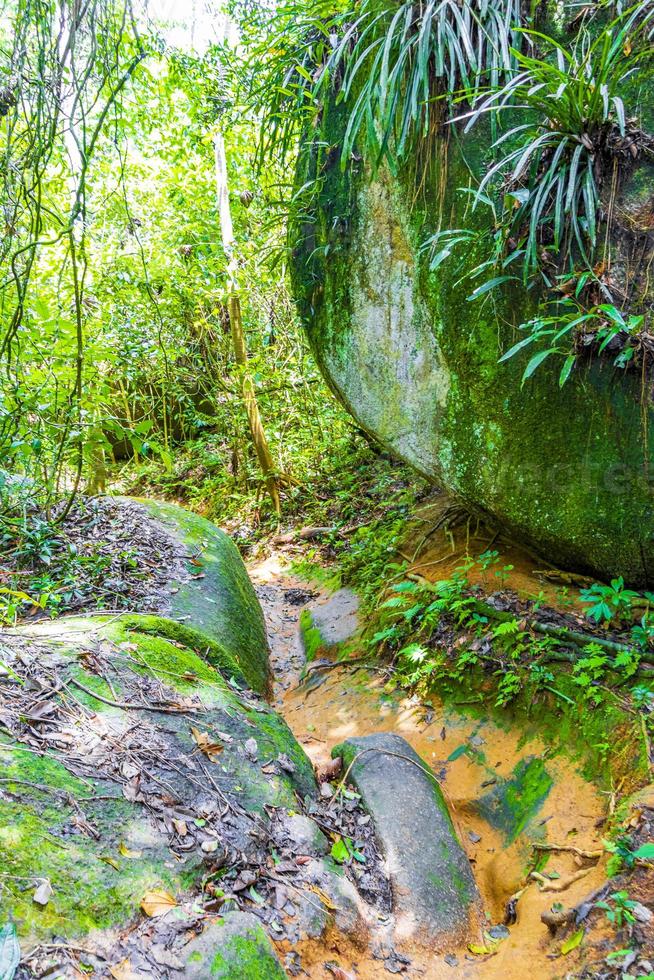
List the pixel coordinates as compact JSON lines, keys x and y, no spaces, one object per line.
{"x":560,"y":96}
{"x":115,"y":335}
{"x":115,"y":339}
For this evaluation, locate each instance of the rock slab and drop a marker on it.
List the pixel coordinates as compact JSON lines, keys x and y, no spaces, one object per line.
{"x":435,"y":898}
{"x":217,"y":596}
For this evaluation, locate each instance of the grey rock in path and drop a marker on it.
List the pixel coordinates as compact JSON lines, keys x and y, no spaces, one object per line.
{"x":344,"y":907}
{"x":337,"y":618}
{"x":303,"y":836}
{"x":435,"y":898}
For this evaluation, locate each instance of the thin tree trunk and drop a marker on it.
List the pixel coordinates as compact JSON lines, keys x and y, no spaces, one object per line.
{"x":257,"y":431}
{"x":264,"y":455}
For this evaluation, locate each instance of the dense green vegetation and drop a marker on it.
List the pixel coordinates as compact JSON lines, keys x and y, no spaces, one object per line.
{"x":119,"y":361}
{"x":115,"y":326}
{"x":156,"y":221}
{"x":115,"y":332}
{"x":116,"y":343}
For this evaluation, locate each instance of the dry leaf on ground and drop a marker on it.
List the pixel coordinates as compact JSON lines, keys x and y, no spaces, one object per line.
{"x":206,"y":744}
{"x":157,"y":902}
{"x":124,"y":971}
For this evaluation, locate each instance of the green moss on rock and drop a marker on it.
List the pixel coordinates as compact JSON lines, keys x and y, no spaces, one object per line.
{"x":88,"y":892}
{"x":236,"y":948}
{"x":95,"y":884}
{"x":175,"y":648}
{"x":223,"y":604}
{"x":568,"y":471}
{"x":513,"y":803}
{"x":311,"y":638}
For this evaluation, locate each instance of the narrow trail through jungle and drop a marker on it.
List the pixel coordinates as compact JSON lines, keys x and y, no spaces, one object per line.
{"x":468,"y":751}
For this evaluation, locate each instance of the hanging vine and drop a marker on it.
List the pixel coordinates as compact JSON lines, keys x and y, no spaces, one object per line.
{"x":68,"y":67}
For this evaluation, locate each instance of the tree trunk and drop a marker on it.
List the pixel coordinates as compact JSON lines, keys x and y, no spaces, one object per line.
{"x":257,"y":431}
{"x":264,"y":455}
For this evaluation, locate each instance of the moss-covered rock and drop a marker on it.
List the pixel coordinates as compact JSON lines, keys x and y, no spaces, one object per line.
{"x":435,"y":898}
{"x":513,"y":803}
{"x":120,"y":761}
{"x":216,"y":597}
{"x":234,"y":948}
{"x":567,"y":471}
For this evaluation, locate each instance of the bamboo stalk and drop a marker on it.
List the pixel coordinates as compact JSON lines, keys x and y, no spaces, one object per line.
{"x":257,"y":431}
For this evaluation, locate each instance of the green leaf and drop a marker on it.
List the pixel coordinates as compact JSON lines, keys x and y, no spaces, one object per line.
{"x":535,"y":362}
{"x":304,"y":73}
{"x":9,"y":952}
{"x":516,"y":347}
{"x":645,"y":852}
{"x":340,"y":851}
{"x":572,"y":942}
{"x":566,"y":369}
{"x":478,"y":950}
{"x":407,"y":586}
{"x":487,"y":286}
{"x":393,"y":602}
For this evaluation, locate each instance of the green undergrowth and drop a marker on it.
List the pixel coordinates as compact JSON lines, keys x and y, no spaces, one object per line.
{"x":593,"y":703}
{"x":588,"y":693}
{"x":354,"y":485}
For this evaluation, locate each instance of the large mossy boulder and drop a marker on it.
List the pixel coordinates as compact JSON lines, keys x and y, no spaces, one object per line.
{"x":565,"y":470}
{"x":131,"y":767}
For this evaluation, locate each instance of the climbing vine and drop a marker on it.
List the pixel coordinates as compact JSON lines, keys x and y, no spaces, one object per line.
{"x":63,"y":81}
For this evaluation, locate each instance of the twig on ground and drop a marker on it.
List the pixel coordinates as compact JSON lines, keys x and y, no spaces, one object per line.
{"x":580,"y":852}
{"x":165,"y":709}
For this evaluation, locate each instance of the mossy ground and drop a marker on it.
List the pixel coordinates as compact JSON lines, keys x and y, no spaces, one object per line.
{"x":312,"y":640}
{"x":93,"y":885}
{"x":514,"y":802}
{"x":246,"y":956}
{"x":234,"y":948}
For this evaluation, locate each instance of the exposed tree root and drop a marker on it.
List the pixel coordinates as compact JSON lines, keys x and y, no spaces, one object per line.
{"x":589,"y":855}
{"x":561,"y":884}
